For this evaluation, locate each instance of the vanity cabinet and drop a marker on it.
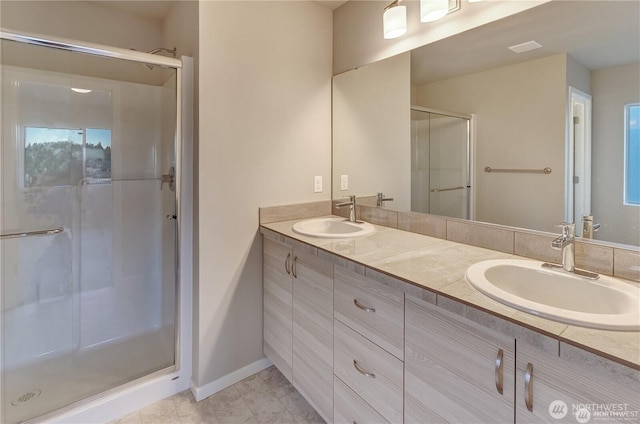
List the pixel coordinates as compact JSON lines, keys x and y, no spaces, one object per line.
{"x":313,"y":331}
{"x":278,"y":305}
{"x":455,"y":370}
{"x":543,"y":379}
{"x":368,"y":350}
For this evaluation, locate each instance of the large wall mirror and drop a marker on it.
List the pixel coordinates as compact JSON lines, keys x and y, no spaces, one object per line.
{"x":467,"y":127}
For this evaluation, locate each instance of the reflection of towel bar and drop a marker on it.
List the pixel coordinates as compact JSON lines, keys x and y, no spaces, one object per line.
{"x":546,"y":170}
{"x":31,"y":233}
{"x":436,"y":190}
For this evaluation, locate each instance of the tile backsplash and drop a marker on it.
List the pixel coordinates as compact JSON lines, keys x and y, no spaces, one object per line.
{"x":607,"y":260}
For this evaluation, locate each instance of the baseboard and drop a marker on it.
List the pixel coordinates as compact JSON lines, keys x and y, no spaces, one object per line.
{"x":209,"y":389}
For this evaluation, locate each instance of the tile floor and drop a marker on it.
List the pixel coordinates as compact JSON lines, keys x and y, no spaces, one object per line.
{"x":265,"y":397}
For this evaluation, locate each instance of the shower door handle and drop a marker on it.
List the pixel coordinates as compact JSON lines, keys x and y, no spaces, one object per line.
{"x":170,"y":179}
{"x":172,"y":217}
{"x":31,"y":233}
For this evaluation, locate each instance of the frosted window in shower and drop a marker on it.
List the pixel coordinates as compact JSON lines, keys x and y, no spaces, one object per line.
{"x":632,"y":154}
{"x":55,"y":157}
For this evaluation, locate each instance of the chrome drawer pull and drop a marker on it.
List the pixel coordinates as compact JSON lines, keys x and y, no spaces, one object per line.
{"x":499,"y":371}
{"x":294,"y":268}
{"x":528,"y":387}
{"x":286,"y":264}
{"x":364,"y":308}
{"x":361,"y":371}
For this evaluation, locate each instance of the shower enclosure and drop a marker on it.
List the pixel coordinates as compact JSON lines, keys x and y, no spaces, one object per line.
{"x":440,"y":163}
{"x":88,"y":256}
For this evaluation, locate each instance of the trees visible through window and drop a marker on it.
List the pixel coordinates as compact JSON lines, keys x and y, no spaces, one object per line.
{"x":632,"y":154}
{"x":66,"y":156}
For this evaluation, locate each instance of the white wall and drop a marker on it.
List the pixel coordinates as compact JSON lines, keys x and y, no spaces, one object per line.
{"x":513,"y":131}
{"x":612,"y":88}
{"x":357,"y":28}
{"x":265,"y":122}
{"x":372,"y":132}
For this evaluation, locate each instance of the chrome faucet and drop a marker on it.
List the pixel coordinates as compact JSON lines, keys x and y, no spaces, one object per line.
{"x":588,"y":227}
{"x":352,"y":207}
{"x":565,"y":243}
{"x":382,"y":199}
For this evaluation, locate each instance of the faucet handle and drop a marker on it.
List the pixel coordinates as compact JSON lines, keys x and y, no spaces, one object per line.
{"x":568,"y":228}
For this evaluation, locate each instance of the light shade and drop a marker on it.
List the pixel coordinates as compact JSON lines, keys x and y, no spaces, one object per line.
{"x":394,"y":21}
{"x":432,"y":10}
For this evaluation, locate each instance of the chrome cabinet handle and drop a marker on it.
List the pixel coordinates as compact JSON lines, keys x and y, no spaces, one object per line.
{"x":500,"y":371}
{"x":31,"y":233}
{"x":364,"y":308}
{"x":286,"y":264}
{"x":294,"y":267}
{"x":362,"y":371}
{"x":528,"y":387}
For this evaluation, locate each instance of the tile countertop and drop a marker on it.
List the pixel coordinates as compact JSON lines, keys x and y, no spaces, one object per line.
{"x":439,"y":266}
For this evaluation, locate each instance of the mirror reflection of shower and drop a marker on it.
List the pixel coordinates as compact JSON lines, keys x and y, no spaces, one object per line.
{"x":440,"y":177}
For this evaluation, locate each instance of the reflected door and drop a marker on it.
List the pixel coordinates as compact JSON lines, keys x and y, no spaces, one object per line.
{"x":88,"y":255}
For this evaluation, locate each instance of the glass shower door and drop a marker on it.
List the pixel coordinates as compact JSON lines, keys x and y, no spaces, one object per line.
{"x":439,"y":164}
{"x":87,"y":258}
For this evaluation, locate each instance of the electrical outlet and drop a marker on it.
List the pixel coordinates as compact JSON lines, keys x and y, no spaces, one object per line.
{"x":344,"y":182}
{"x":317,"y":184}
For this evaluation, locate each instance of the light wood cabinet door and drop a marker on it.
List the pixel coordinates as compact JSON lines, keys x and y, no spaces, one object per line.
{"x":373,"y":309}
{"x":370,"y":371}
{"x":350,"y":408}
{"x":313,"y":331}
{"x":278,"y":305}
{"x":554,"y":389}
{"x":454,"y":369}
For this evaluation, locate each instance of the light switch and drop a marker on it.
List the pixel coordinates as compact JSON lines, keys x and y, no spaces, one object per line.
{"x":317,"y":184}
{"x":344,"y":182}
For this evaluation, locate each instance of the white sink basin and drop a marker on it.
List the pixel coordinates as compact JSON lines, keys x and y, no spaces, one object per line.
{"x":605,"y":303}
{"x":332,"y":228}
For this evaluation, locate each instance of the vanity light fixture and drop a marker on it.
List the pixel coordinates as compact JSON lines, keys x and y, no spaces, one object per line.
{"x":432,"y":10}
{"x":394,"y":20}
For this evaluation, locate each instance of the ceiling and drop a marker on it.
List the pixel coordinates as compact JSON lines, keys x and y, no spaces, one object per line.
{"x":597,"y":34}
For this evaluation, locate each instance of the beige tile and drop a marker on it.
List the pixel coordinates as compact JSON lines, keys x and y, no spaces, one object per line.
{"x":379,"y":216}
{"x":594,"y":258}
{"x":297,"y":211}
{"x":480,"y":235}
{"x":300,"y":409}
{"x":163,"y":412}
{"x":429,"y":225}
{"x":132,"y":418}
{"x":536,"y":246}
{"x":277,"y":382}
{"x":192,"y":412}
{"x":626,"y":264}
{"x":229,"y":407}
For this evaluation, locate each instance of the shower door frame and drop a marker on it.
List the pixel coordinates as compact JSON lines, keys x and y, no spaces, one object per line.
{"x":159,"y":384}
{"x":471,"y":201}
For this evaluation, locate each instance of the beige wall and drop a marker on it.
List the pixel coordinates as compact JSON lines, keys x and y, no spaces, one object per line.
{"x":612,"y":88}
{"x":265,"y":131}
{"x":82,"y":21}
{"x":513,"y":130}
{"x":357,"y":28}
{"x":371,"y":130}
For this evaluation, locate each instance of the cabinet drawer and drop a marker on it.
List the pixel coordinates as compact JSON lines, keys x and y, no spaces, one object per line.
{"x":349,"y":408}
{"x":373,"y":309}
{"x":370,"y":371}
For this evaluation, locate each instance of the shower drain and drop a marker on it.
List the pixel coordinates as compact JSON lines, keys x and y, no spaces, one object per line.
{"x":26,"y":397}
